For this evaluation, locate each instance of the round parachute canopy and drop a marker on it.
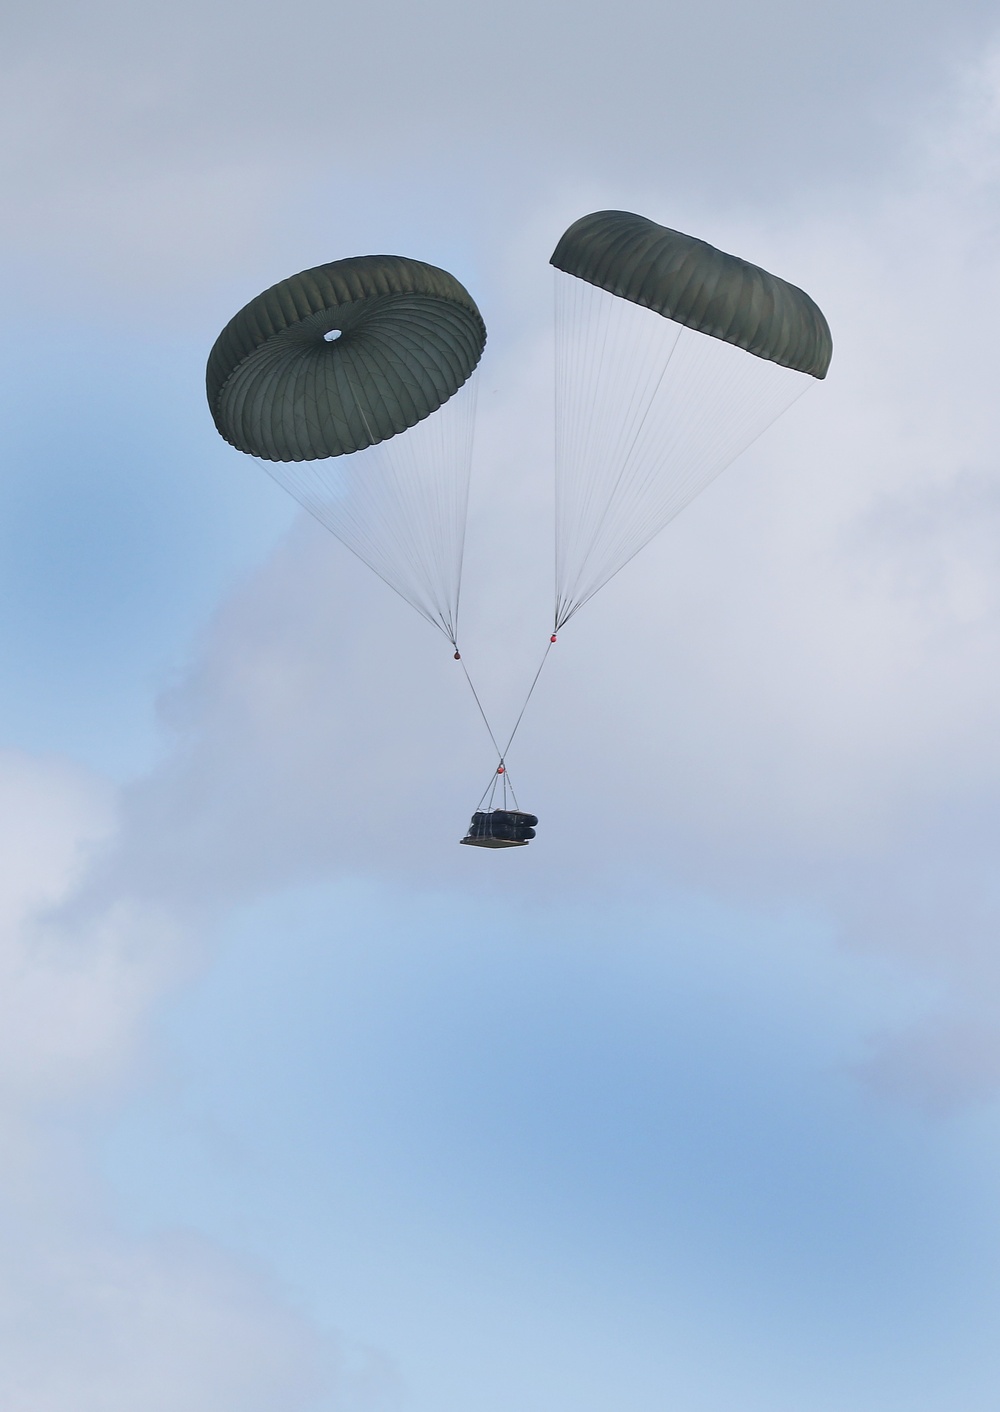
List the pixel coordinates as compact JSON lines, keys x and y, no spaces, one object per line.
{"x":694,"y":284}
{"x":342,"y":357}
{"x":650,"y":409}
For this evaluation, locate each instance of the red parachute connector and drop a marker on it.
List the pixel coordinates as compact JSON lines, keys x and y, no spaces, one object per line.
{"x":499,"y":769}
{"x":552,"y":638}
{"x":458,"y":656}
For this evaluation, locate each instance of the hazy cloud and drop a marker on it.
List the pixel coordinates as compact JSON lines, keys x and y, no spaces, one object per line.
{"x":91,"y":1317}
{"x":788,"y":703}
{"x":787,"y":694}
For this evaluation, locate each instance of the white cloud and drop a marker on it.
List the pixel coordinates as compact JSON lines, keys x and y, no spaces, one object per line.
{"x":53,"y":817}
{"x":89,"y":1317}
{"x":150,"y":153}
{"x":792,"y":693}
{"x":105,"y":1325}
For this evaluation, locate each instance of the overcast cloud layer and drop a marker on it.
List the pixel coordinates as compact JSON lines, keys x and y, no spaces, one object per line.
{"x":692,"y":1103}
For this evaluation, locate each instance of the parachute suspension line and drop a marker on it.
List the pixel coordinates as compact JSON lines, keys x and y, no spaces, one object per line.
{"x":482,"y":712}
{"x":555,"y":446}
{"x":631,"y":436}
{"x":591,"y":443}
{"x":427,"y":514}
{"x":400,"y":505}
{"x":647,"y":414}
{"x":461,"y":507}
{"x":305,"y":499}
{"x":688,"y":495}
{"x":531,"y":690}
{"x":613,"y":366}
{"x":499,"y":777}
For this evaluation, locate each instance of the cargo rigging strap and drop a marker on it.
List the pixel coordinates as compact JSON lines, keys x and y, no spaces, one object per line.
{"x":500,"y":774}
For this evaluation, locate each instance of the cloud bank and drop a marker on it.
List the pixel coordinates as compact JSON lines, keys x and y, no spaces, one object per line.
{"x":786,"y":704}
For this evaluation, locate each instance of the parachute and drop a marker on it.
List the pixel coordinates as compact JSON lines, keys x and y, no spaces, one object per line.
{"x":650,"y":410}
{"x":318,"y":376}
{"x":352,"y":384}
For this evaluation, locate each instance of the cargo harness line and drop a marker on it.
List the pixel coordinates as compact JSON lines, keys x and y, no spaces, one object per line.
{"x":496,"y":828}
{"x":521,"y":825}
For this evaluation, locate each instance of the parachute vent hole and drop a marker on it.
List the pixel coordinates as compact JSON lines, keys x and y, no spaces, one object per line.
{"x":333,"y":335}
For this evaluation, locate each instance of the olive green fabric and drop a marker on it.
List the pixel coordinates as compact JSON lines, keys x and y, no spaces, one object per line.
{"x":694,"y":284}
{"x":411,"y":335}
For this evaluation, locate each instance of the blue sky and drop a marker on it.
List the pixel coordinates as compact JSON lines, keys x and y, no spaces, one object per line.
{"x":691,"y":1105}
{"x":121,"y":527}
{"x":610,"y":1132}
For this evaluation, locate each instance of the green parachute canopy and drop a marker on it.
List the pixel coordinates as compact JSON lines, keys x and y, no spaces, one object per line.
{"x":694,"y":284}
{"x":650,"y":409}
{"x":317,"y":377}
{"x":342,"y":357}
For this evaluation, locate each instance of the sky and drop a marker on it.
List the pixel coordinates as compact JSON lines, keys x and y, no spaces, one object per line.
{"x":695,"y":1103}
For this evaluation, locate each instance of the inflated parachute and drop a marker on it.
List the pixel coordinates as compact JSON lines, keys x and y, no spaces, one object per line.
{"x":650,"y":409}
{"x":352,"y":385}
{"x":342,"y":382}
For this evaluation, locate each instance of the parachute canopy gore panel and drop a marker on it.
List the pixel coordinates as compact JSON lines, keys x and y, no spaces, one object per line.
{"x":410,"y":335}
{"x":696,"y":285}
